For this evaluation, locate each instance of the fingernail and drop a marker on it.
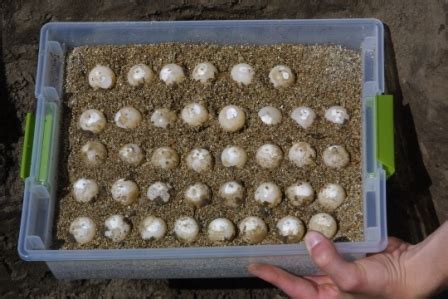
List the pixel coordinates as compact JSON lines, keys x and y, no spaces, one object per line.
{"x":312,"y":239}
{"x":253,"y":268}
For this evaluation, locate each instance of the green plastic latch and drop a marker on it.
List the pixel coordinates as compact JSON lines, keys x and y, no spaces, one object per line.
{"x":46,"y":144}
{"x":385,"y":132}
{"x":27,"y":148}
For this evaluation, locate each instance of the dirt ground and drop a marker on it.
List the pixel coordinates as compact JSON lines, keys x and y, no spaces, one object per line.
{"x":417,"y":72}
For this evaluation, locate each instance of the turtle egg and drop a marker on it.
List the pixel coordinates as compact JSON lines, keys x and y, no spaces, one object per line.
{"x":336,"y":114}
{"x":186,"y":229}
{"x":131,"y":154}
{"x":253,"y":229}
{"x":268,"y":194}
{"x":242,"y":73}
{"x":204,"y":72}
{"x":101,"y":77}
{"x":152,"y":228}
{"x":270,"y":115}
{"x":165,"y":158}
{"x":269,"y":156}
{"x":163,"y":118}
{"x":221,"y":229}
{"x":303,"y":116}
{"x":324,"y":224}
{"x":93,"y":153}
{"x":331,"y":196}
{"x":233,"y":156}
{"x":140,"y":74}
{"x":84,"y":190}
{"x":116,"y":228}
{"x":159,"y":191}
{"x":301,"y":154}
{"x":232,"y":193}
{"x":335,"y":156}
{"x":83,"y":229}
{"x":128,"y":118}
{"x":197,"y":195}
{"x":281,"y":76}
{"x":92,"y":120}
{"x":172,"y":74}
{"x":231,"y":118}
{"x":300,"y":194}
{"x":194,"y":114}
{"x":124,"y":191}
{"x":291,"y":229}
{"x":199,"y":160}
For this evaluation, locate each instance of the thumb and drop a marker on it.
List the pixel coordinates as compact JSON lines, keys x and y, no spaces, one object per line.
{"x":346,"y":275}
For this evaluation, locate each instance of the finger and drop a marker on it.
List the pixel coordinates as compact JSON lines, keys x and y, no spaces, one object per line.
{"x":320,"y":279}
{"x":393,"y":244}
{"x":293,"y":286}
{"x":346,"y":275}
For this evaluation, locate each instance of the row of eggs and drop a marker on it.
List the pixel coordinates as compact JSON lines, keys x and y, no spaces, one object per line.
{"x":231,"y":118}
{"x":232,"y":193}
{"x":102,"y":77}
{"x":252,"y":229}
{"x":268,"y":156}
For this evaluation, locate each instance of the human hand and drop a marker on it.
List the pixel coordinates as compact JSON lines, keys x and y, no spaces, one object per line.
{"x":400,"y":271}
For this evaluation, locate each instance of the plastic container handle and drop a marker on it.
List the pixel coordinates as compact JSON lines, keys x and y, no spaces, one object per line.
{"x":27,"y":149}
{"x":385,"y":148}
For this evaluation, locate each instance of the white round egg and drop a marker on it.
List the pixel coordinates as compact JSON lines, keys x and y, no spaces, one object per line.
{"x":93,"y":153}
{"x":92,"y":120}
{"x":197,"y":195}
{"x":172,"y":74}
{"x":101,"y":76}
{"x":233,"y":156}
{"x":131,"y":154}
{"x":300,"y":194}
{"x":331,"y":196}
{"x":242,"y":73}
{"x":291,"y":229}
{"x":336,"y":156}
{"x":253,"y":229}
{"x":159,"y":192}
{"x":83,"y":230}
{"x":140,"y":74}
{"x":301,"y":154}
{"x":303,"y":116}
{"x":269,"y":156}
{"x":128,"y":118}
{"x":336,"y":114}
{"x":152,"y":228}
{"x":194,"y":114}
{"x":163,"y":118}
{"x":124,"y":191}
{"x":231,"y":118}
{"x":221,"y":230}
{"x":268,"y":194}
{"x":85,"y":190}
{"x":186,"y":229}
{"x":281,"y":76}
{"x":323,"y":223}
{"x":270,"y":115}
{"x":199,"y":160}
{"x":232,"y":193}
{"x":117,"y":228}
{"x":204,"y":72}
{"x":165,"y":158}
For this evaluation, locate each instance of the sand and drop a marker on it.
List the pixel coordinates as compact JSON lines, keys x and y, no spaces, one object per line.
{"x":326,"y":76}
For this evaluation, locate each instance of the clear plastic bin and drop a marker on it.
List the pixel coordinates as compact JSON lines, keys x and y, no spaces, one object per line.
{"x":36,"y":231}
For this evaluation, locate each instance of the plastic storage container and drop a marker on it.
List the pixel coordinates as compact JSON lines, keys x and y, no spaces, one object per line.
{"x":35,"y":240}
